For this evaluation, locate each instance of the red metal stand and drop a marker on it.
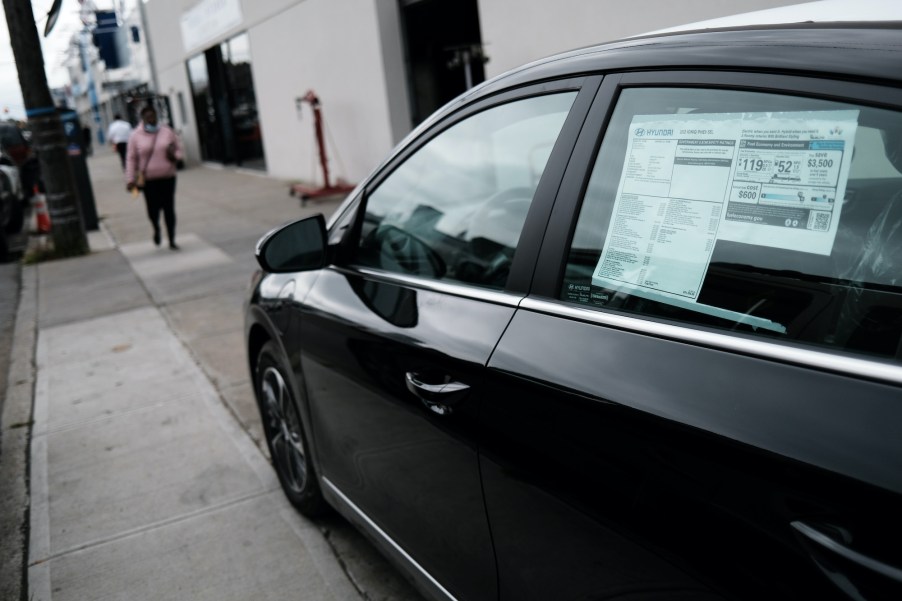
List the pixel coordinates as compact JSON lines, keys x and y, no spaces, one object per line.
{"x":304,"y":192}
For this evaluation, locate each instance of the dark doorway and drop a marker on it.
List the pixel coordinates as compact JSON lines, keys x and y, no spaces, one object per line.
{"x":225,"y":104}
{"x":444,"y":51}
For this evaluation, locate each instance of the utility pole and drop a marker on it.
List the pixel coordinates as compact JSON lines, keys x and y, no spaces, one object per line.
{"x":48,"y":137}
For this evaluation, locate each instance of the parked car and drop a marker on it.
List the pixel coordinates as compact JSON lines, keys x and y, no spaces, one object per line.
{"x":19,"y":172}
{"x":625,"y":323}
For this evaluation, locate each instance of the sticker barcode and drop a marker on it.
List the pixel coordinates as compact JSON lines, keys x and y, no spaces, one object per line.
{"x":819,"y":221}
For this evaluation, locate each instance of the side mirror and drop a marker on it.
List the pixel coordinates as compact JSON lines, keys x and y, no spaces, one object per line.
{"x":297,"y":246}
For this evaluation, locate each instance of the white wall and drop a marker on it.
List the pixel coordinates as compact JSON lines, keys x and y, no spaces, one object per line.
{"x":350,"y":53}
{"x":334,"y":49}
{"x":515,"y":32}
{"x":163,"y":34}
{"x":171,"y":82}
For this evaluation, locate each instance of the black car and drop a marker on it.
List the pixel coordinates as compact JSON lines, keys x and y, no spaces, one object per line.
{"x":14,"y":153}
{"x":625,"y":323}
{"x":19,"y":173}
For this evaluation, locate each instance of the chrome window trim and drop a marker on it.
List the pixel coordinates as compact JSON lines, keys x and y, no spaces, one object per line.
{"x":874,"y":370}
{"x":377,"y":530}
{"x":496,"y":297}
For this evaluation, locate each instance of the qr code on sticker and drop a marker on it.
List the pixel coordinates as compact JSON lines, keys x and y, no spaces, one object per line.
{"x":819,"y":221}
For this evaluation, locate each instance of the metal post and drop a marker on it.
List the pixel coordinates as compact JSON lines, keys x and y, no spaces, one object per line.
{"x":321,"y":143}
{"x":468,"y":70}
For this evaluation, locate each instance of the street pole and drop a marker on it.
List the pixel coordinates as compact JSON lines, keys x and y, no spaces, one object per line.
{"x":48,"y":137}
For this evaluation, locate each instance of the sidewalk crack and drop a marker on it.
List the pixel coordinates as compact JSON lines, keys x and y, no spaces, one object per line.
{"x":154,"y":526}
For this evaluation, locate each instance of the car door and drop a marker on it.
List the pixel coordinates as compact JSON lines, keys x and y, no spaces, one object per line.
{"x":397,"y":333}
{"x":686,"y":406}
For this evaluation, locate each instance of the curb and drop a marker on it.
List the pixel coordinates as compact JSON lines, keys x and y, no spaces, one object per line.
{"x":17,"y":423}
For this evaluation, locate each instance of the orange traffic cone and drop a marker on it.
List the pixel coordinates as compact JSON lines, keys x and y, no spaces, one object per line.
{"x":42,"y":215}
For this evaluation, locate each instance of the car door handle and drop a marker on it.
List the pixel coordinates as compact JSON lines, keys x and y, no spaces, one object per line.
{"x":824,"y":542}
{"x":438,"y":398}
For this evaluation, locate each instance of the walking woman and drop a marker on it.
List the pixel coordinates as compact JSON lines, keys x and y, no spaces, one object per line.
{"x":150,"y":165}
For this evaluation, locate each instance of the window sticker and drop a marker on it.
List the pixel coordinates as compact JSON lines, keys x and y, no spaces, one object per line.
{"x":688,"y":180}
{"x":790,"y":170}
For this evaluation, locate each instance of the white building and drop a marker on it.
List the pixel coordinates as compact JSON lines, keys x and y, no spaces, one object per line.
{"x":235,"y":71}
{"x":97,"y":91}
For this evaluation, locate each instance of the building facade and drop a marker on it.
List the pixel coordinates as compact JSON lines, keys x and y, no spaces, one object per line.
{"x":108,"y":65}
{"x":237,"y":72}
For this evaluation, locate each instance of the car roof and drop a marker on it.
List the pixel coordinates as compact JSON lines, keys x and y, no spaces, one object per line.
{"x":822,"y":11}
{"x":858,"y":50}
{"x":848,"y":50}
{"x":10,"y":134}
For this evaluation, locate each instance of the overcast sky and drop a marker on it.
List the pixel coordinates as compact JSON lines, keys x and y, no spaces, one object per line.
{"x":54,"y":48}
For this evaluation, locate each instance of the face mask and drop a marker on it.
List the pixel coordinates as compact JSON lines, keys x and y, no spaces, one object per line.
{"x":151,"y":128}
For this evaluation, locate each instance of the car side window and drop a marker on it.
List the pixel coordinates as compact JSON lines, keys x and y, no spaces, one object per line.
{"x":455,"y":208}
{"x":774,"y":215}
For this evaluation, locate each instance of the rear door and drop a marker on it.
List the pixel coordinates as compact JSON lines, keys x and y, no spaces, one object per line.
{"x":700,"y":398}
{"x":400,"y":329}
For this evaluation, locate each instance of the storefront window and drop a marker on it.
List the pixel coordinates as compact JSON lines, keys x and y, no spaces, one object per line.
{"x":225,"y":104}
{"x":236,"y":61}
{"x":204,"y":112}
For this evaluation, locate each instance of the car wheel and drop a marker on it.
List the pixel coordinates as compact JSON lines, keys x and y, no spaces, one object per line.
{"x":283,"y":427}
{"x":5,"y":254}
{"x":17,"y":217}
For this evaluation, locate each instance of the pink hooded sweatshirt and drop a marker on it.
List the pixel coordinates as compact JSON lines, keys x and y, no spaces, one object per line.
{"x":147,"y":152}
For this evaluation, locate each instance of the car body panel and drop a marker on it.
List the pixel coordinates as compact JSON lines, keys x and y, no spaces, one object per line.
{"x":601,"y":454}
{"x":411,"y":471}
{"x":664,"y":442}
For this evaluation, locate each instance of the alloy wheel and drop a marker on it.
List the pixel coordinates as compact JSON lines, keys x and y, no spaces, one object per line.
{"x":284,"y":430}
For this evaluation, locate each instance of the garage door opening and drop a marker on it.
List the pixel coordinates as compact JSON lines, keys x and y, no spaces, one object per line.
{"x":444,"y":51}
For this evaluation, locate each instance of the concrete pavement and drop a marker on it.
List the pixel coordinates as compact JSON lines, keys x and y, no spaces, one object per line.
{"x":149,"y":475}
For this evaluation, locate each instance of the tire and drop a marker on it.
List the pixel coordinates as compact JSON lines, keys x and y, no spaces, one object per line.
{"x":284,"y":430}
{"x":17,"y":217}
{"x":7,"y":203}
{"x":5,"y":254}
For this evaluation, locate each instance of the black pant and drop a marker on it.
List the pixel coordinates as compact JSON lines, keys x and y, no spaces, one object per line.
{"x":159,"y":194}
{"x":121,"y":148}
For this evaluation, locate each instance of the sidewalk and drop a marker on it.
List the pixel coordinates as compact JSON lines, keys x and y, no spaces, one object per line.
{"x":149,"y":477}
